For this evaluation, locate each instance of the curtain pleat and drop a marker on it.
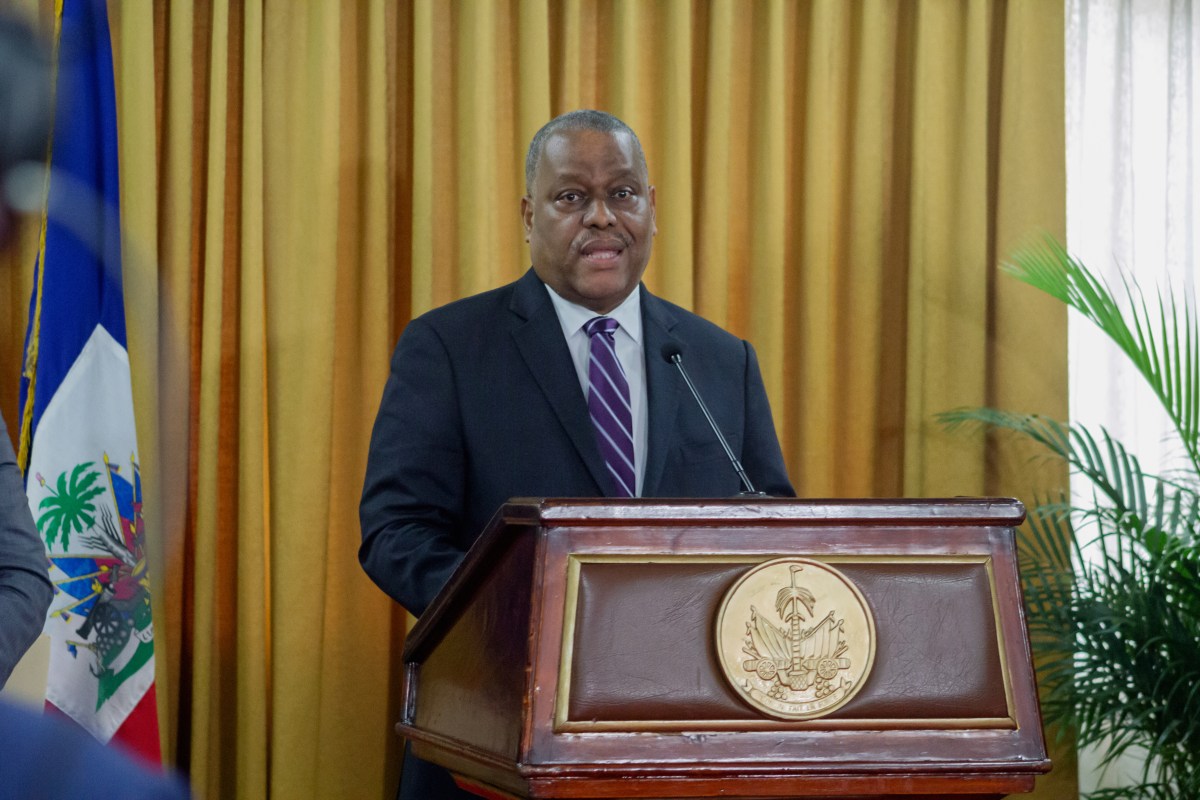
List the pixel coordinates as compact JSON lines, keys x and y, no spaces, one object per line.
{"x":836,"y":182}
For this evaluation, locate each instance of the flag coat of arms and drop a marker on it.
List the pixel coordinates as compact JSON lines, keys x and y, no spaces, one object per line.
{"x":78,"y":441}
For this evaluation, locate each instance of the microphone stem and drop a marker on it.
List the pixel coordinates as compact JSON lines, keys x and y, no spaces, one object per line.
{"x":677,"y":360}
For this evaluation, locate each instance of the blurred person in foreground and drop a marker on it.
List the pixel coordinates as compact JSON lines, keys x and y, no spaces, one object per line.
{"x":25,"y":590}
{"x":41,"y":757}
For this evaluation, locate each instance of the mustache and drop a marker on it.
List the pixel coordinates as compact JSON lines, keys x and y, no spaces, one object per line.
{"x":623,"y":239}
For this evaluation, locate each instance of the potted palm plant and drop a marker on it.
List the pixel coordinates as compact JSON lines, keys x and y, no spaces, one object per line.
{"x":1113,"y":575}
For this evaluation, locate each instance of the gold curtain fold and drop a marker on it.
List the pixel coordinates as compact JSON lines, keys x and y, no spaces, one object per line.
{"x":835,"y":180}
{"x":266,"y":334}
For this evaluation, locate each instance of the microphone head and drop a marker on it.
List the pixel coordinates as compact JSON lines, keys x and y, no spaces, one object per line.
{"x":671,"y":351}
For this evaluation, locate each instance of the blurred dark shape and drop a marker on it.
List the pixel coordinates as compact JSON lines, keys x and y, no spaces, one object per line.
{"x":26,"y":109}
{"x":48,"y":758}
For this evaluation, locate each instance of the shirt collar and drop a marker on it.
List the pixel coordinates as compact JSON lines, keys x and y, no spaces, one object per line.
{"x":573,"y":316}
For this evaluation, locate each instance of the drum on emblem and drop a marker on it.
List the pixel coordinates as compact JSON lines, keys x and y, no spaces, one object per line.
{"x":796,"y":638}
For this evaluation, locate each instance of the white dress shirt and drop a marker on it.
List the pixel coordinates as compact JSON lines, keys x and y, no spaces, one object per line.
{"x":630,"y":353}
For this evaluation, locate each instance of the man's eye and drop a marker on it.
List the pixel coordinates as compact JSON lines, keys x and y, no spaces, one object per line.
{"x":622,"y":194}
{"x":569,"y":197}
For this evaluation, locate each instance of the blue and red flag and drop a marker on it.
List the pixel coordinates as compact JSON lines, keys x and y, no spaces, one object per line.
{"x":78,"y":441}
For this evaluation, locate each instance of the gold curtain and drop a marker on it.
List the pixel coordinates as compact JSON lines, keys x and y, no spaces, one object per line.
{"x":836,"y":181}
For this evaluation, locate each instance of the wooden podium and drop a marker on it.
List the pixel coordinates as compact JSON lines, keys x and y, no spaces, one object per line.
{"x":578,"y":653}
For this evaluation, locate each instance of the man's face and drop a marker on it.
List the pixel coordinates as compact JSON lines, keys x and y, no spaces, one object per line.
{"x":589,"y":217}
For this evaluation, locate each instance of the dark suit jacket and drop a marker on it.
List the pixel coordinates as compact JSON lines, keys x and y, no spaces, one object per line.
{"x":484,"y":404}
{"x":25,"y":590}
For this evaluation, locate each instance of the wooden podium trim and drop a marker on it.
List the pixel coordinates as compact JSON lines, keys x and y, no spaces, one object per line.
{"x":705,"y":725}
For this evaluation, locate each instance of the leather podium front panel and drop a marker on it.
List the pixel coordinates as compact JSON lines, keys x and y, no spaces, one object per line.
{"x":650,"y":653}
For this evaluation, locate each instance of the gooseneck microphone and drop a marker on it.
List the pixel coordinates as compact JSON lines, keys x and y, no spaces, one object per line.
{"x":672,"y":353}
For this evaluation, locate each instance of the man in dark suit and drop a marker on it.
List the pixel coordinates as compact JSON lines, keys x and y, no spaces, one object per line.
{"x":555,"y":385}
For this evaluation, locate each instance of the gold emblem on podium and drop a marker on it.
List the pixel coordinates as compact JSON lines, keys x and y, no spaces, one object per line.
{"x":796,"y":638}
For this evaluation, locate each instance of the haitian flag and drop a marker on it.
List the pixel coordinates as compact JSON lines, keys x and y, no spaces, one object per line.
{"x":78,"y":441}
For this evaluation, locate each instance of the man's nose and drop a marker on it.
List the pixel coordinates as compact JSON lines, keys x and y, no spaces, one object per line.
{"x":598,"y":214}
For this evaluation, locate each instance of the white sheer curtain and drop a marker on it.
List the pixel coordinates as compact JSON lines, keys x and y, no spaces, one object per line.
{"x":1132,"y":75}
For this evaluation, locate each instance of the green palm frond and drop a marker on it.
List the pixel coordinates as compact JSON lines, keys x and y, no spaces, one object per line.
{"x":1121,"y":647}
{"x":1163,"y":343}
{"x":1113,"y":471}
{"x":69,"y":508}
{"x":1113,"y":577}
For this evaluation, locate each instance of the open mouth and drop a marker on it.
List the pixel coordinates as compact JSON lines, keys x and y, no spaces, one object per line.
{"x":602,"y":252}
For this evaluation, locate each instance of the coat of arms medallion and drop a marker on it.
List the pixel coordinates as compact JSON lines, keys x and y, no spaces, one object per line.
{"x":796,"y":638}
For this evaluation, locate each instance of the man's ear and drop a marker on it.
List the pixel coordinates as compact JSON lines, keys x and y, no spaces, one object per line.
{"x":653,"y":215}
{"x":527,"y":214}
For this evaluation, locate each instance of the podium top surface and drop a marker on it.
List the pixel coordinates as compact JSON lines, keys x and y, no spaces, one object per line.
{"x":1004,"y":511}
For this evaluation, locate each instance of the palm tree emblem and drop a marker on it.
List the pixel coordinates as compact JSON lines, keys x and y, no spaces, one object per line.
{"x":70,"y":508}
{"x":791,"y":603}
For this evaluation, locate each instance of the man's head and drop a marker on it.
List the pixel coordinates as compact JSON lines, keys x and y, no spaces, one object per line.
{"x":589,"y":208}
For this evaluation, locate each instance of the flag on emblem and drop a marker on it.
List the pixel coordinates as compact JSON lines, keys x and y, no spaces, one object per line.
{"x":78,"y":442}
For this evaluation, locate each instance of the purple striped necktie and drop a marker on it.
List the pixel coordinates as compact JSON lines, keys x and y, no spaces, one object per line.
{"x":608,"y":404}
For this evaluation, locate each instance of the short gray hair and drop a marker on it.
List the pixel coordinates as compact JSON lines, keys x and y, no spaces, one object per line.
{"x":584,"y":119}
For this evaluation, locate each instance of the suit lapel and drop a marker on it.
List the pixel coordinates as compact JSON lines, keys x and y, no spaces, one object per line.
{"x":539,"y":339}
{"x":663,"y":386}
